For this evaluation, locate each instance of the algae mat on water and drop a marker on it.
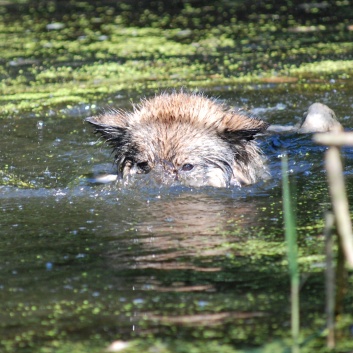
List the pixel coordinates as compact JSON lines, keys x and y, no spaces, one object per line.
{"x":55,"y":55}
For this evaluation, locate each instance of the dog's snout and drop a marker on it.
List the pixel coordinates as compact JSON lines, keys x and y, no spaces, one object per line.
{"x":170,"y":169}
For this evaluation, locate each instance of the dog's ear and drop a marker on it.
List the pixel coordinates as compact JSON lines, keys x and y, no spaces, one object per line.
{"x":240,"y":128}
{"x":237,"y":136}
{"x":239,"y":132}
{"x":112,"y":127}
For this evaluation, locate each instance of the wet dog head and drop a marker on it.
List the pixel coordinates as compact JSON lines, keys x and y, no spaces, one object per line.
{"x":184,"y":137}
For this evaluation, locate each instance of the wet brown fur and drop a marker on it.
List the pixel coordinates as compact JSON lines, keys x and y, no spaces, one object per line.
{"x":172,"y":133}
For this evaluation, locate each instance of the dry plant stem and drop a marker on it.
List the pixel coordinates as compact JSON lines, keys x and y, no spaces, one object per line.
{"x":334,"y":139}
{"x":330,"y":280}
{"x":339,"y":201}
{"x":341,"y":281}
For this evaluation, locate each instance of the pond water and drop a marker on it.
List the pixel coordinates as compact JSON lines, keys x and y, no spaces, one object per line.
{"x":83,"y":261}
{"x":172,"y":269}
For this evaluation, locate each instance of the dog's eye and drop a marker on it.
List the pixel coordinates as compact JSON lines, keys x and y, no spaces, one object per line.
{"x":187,"y":167}
{"x":143,"y":167}
{"x":126,"y":165}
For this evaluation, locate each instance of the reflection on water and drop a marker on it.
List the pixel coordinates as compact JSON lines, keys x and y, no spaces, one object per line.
{"x":172,"y":231}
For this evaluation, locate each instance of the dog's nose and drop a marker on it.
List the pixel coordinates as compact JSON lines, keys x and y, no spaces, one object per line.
{"x":170,"y":169}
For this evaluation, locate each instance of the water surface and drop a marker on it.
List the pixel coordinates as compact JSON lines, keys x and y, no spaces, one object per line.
{"x":106,"y":262}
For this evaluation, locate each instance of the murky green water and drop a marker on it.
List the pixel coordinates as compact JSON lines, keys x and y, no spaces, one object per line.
{"x":178,"y":269}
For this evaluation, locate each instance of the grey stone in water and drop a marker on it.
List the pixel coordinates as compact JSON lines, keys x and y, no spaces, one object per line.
{"x":319,"y":118}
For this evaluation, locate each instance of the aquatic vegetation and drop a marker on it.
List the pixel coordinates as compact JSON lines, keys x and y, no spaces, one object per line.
{"x":10,"y":179}
{"x":94,"y":54}
{"x":289,"y":216}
